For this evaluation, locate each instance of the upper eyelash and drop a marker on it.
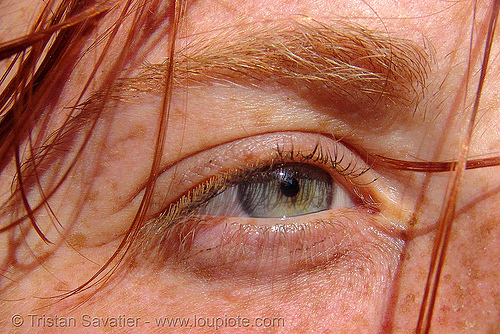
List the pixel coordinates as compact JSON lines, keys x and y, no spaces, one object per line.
{"x":186,"y":206}
{"x":324,"y":157}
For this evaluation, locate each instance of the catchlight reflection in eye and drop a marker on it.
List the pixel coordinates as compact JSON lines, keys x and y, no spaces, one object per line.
{"x":287,"y":190}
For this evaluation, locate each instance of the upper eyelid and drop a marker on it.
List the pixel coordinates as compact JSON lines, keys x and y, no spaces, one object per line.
{"x":295,"y":36}
{"x":177,"y":226}
{"x":221,"y":167}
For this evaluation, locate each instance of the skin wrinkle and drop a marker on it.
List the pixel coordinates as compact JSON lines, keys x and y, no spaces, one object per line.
{"x":344,"y":65}
{"x":319,"y":307}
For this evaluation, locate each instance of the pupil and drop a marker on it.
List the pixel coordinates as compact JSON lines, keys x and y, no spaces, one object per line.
{"x":290,"y":187}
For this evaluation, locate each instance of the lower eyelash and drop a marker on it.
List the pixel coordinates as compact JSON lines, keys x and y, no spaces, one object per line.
{"x":215,"y":247}
{"x":218,"y":245}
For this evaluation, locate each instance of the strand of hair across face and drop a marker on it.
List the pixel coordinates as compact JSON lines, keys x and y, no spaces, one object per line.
{"x":448,"y":211}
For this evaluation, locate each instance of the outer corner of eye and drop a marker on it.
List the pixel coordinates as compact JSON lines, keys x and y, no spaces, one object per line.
{"x":390,"y":201}
{"x":312,"y":206}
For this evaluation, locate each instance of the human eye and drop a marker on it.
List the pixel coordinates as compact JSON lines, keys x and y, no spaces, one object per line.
{"x":292,"y":202}
{"x":280,"y":191}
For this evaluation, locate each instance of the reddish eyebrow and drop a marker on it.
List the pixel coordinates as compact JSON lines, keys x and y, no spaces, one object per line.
{"x":337,"y":63}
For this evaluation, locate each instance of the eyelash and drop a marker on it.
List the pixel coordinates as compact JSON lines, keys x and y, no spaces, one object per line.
{"x":182,"y":236}
{"x":196,"y":198}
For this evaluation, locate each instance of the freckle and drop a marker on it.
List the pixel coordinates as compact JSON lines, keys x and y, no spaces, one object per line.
{"x":409,"y":302}
{"x":133,"y":264}
{"x":61,"y":286}
{"x":262,"y":116}
{"x":249,"y":157}
{"x":169,"y":292}
{"x":177,"y":113}
{"x":137,"y":130}
{"x":444,"y":315}
{"x":410,"y":298}
{"x":77,"y":240}
{"x":92,"y":196}
{"x":447,"y":278}
{"x":116,"y":149}
{"x":113,"y":186}
{"x":484,"y":231}
{"x":229,"y":296}
{"x":496,"y":301}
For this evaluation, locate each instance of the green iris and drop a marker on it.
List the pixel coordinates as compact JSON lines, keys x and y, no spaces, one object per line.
{"x":286,"y":191}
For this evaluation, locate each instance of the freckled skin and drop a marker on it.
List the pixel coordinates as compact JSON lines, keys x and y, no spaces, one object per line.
{"x":379,"y":290}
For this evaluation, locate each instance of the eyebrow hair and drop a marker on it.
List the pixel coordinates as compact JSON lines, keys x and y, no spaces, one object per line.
{"x":337,"y":61}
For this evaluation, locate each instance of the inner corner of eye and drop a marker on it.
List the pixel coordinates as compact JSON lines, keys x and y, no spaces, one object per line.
{"x":286,"y":190}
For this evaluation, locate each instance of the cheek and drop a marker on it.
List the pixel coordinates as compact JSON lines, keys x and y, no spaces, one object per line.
{"x":469,"y":291}
{"x":320,"y":300}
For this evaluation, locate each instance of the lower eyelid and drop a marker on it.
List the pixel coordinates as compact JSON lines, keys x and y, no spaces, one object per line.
{"x":232,"y":247}
{"x":225,"y":248}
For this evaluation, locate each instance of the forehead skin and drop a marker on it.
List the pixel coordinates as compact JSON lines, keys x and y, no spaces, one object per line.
{"x":469,"y":291}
